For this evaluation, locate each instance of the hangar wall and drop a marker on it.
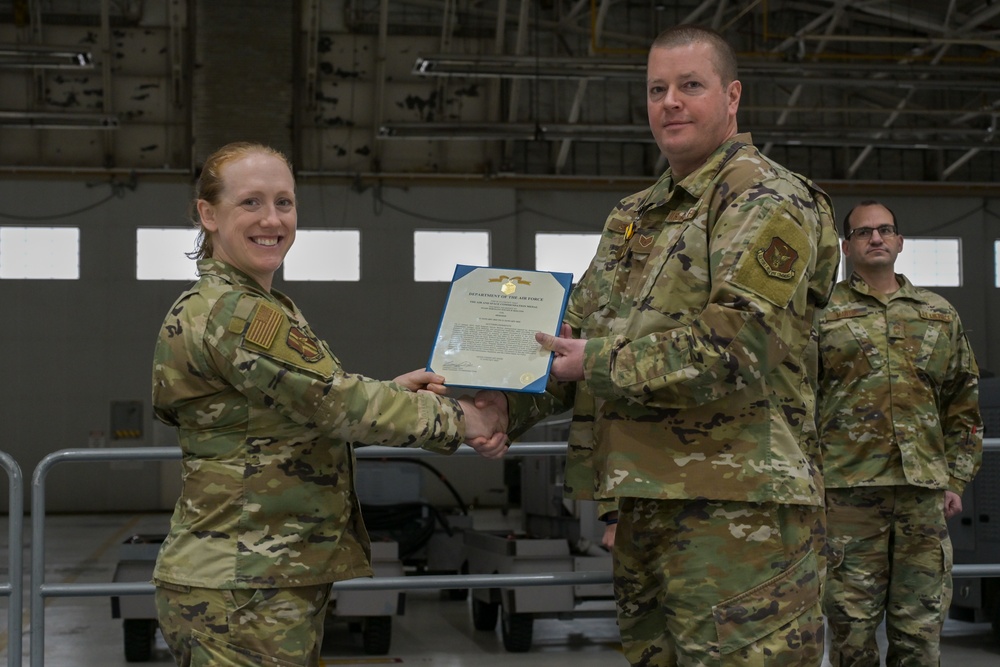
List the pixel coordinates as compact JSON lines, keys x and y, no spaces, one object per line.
{"x":68,"y":349}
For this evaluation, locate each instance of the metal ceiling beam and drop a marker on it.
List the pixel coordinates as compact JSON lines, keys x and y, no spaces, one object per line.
{"x":913,"y":19}
{"x":911,"y":138}
{"x":640,"y":42}
{"x":942,"y":48}
{"x":950,"y":169}
{"x":581,"y":87}
{"x":793,"y":98}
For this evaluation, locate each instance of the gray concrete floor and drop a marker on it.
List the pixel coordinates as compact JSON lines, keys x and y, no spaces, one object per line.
{"x":433,"y":630}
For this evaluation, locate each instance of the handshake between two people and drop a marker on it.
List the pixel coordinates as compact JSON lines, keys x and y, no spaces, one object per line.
{"x":486,"y":421}
{"x":486,"y":416}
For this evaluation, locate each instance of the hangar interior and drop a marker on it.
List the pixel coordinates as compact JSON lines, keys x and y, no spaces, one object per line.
{"x":510,"y":117}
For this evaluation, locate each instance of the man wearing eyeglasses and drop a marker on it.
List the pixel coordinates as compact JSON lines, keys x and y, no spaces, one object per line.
{"x":901,"y":437}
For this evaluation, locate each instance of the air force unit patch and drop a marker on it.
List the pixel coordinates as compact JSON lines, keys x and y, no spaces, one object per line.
{"x":304,"y":344}
{"x":775,"y":261}
{"x":778,"y":259}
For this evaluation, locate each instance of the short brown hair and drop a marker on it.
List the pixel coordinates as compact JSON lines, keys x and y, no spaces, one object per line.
{"x":209,"y":184}
{"x":867,"y":202}
{"x":682,"y":35}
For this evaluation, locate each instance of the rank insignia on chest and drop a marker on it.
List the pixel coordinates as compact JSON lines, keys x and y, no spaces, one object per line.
{"x":307,"y":347}
{"x":777,"y":259}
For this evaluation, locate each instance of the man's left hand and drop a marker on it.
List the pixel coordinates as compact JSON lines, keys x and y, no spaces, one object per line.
{"x":952,"y":504}
{"x":567,"y":365}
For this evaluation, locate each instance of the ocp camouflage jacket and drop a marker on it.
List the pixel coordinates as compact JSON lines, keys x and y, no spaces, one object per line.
{"x":701,"y":355}
{"x":899,"y":390}
{"x":267,"y":421}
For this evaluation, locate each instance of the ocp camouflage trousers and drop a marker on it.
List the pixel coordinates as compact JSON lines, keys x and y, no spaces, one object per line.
{"x":890,"y":555}
{"x":704,"y":583}
{"x":242,"y":627}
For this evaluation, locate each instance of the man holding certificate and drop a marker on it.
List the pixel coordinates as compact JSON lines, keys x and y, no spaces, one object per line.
{"x":689,"y":356}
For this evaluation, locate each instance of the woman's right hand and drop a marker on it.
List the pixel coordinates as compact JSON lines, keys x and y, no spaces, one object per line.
{"x":485,"y":428}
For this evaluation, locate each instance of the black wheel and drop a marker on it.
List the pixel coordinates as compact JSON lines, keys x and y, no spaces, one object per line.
{"x":139,"y":636}
{"x":484,"y":614}
{"x":461,"y":593}
{"x":516,"y":630}
{"x":457,"y":594}
{"x":376,"y":634}
{"x":996,"y":614}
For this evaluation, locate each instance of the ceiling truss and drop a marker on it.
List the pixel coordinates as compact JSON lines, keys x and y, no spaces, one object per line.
{"x":841,"y":90}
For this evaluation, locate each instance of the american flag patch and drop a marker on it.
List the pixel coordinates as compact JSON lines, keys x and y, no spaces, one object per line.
{"x":264,"y":326}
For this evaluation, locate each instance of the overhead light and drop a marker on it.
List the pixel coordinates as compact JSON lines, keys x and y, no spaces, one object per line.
{"x":46,"y":57}
{"x":853,"y":74}
{"x":514,"y":131}
{"x":528,"y":67}
{"x":41,"y":120}
{"x":461,"y":131}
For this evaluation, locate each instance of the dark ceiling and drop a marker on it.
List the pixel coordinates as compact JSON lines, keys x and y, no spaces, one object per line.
{"x":843,"y":91}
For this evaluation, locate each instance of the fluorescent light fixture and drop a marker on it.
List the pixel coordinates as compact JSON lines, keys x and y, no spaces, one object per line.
{"x":851,"y":73}
{"x":47,"y":57}
{"x":44,"y":120}
{"x":515,"y":131}
{"x":528,"y":67}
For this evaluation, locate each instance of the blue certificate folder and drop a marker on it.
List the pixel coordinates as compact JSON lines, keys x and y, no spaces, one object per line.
{"x":485,"y":338}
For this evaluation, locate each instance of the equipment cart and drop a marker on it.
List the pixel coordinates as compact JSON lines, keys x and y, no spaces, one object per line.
{"x":557,"y":537}
{"x":136,"y":558}
{"x":370,"y":612}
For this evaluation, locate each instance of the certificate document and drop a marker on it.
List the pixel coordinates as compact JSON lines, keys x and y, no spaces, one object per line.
{"x":486,"y":338}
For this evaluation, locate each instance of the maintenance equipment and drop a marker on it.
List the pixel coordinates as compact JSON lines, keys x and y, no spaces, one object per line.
{"x":975,"y":533}
{"x":557,"y":536}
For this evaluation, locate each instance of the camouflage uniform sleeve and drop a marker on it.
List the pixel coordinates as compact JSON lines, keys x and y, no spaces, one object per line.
{"x":526,"y":410}
{"x":961,"y":421}
{"x":763,"y":249}
{"x":313,"y":390}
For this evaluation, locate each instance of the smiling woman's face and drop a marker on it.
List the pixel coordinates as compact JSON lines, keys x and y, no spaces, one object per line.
{"x":253,"y":223}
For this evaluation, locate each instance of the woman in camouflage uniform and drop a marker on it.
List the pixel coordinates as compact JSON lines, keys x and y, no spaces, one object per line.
{"x":267,"y":419}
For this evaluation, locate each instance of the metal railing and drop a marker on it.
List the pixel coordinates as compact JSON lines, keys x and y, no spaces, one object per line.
{"x":41,"y":590}
{"x":15,"y":570}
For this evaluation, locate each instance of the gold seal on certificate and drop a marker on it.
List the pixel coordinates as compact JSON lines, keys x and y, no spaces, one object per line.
{"x":486,"y":339}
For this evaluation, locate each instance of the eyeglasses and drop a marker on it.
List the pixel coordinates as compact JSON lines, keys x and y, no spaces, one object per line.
{"x":865,"y":233}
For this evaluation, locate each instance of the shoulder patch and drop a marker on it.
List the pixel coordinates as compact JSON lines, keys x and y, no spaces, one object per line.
{"x":778,"y":259}
{"x":264,"y":326}
{"x":775,"y":260}
{"x":307,"y":347}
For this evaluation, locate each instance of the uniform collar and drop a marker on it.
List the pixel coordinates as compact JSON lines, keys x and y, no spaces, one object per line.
{"x":228,"y":272}
{"x":906,"y":289}
{"x":700,"y":180}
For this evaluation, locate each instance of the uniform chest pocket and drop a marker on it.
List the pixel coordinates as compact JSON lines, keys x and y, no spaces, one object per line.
{"x":592,"y":295}
{"x":932,"y":331}
{"x":847,"y":348}
{"x":675,"y":277}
